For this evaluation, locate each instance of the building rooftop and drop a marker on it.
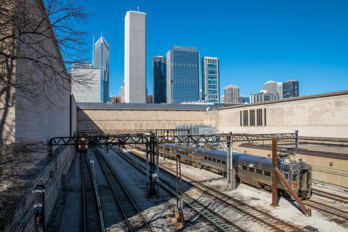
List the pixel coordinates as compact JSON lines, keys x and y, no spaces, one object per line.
{"x":141,"y":106}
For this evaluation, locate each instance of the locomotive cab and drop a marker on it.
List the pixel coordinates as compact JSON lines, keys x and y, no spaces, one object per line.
{"x":82,"y":145}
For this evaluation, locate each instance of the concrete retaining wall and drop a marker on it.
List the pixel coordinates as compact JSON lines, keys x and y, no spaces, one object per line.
{"x":110,"y":120}
{"x":23,"y":216}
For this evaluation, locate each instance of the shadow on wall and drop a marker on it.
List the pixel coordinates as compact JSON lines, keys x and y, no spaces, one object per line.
{"x":84,"y":124}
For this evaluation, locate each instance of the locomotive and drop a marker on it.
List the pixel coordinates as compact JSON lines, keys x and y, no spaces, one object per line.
{"x":253,"y":170}
{"x":82,"y":145}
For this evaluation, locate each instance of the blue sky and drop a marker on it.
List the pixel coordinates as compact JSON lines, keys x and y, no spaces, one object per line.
{"x":256,"y":41}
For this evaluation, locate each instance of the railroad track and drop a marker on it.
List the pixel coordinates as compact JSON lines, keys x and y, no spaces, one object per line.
{"x":124,"y":201}
{"x":217,"y":220}
{"x":237,"y":206}
{"x":92,"y":215}
{"x":331,"y":196}
{"x":327,"y":209}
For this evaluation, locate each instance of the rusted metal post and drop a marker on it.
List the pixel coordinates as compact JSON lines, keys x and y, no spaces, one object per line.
{"x":274,"y":175}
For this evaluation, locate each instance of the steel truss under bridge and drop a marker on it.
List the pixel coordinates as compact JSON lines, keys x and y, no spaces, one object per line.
{"x":168,"y":136}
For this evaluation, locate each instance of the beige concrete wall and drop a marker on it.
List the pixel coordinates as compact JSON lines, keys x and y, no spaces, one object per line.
{"x":112,"y":120}
{"x":324,"y":115}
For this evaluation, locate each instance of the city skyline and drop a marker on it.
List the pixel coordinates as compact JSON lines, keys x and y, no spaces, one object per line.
{"x":255,"y":41}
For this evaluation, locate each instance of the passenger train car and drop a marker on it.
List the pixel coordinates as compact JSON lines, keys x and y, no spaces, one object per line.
{"x":253,"y":170}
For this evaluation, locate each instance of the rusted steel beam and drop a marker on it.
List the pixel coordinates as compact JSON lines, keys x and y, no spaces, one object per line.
{"x":274,"y":175}
{"x":306,"y":211}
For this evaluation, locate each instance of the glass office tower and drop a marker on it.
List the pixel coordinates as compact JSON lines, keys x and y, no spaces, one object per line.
{"x":159,"y":79}
{"x":210,"y":79}
{"x":182,"y":74}
{"x":290,"y":89}
{"x":101,"y":61}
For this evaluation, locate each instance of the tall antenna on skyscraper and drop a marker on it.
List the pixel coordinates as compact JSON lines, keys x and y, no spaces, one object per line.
{"x":93,"y":48}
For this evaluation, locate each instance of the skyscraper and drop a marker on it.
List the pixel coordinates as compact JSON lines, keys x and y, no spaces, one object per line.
{"x":135,"y":57}
{"x":182,"y":74}
{"x":159,"y":73}
{"x":263,"y":96}
{"x":271,"y":87}
{"x":210,"y":79}
{"x":101,"y":61}
{"x":290,"y":89}
{"x":232,"y":94}
{"x":280,"y":89}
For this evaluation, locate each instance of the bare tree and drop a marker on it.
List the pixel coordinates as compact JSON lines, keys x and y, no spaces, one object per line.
{"x":39,"y":40}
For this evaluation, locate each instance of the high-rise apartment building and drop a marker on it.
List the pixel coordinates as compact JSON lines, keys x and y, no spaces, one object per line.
{"x":101,"y":61}
{"x":263,"y":96}
{"x":159,"y":73}
{"x":135,"y":57}
{"x":290,"y":89}
{"x":231,"y":93}
{"x":210,"y":79}
{"x":182,"y":74}
{"x":86,"y":85}
{"x":271,"y":87}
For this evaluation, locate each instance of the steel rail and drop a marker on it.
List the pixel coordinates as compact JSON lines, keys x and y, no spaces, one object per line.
{"x":217,"y":220}
{"x":275,"y":222}
{"x":326,"y":208}
{"x":91,"y":221}
{"x":332,"y":196}
{"x":121,"y":192}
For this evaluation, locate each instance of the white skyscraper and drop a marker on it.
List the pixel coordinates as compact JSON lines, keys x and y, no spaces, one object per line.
{"x":271,"y":87}
{"x":135,"y":57}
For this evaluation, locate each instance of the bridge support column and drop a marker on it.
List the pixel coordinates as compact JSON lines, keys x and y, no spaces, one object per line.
{"x":152,"y":167}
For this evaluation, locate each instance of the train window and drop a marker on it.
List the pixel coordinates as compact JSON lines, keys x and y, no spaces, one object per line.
{"x":267,"y":173}
{"x":286,"y":175}
{"x":294,"y":177}
{"x":259,"y":171}
{"x":244,"y":167}
{"x":214,"y":160}
{"x":218,"y":161}
{"x":251,"y":169}
{"x":223,"y":162}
